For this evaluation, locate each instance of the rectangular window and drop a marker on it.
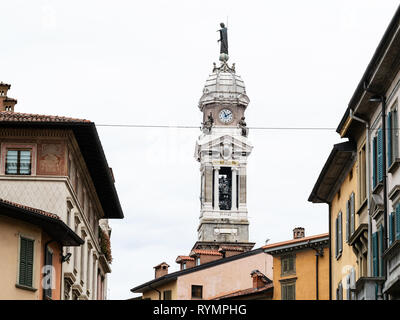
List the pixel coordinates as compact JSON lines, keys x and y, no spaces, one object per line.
{"x":288,"y":265}
{"x":288,"y":291}
{"x":18,"y":162}
{"x":375,"y":254}
{"x":363,"y":174}
{"x":26,"y":262}
{"x":197,"y":261}
{"x":339,"y":235}
{"x":392,"y":136}
{"x":339,"y":291}
{"x":167,"y":295}
{"x":197,"y":292}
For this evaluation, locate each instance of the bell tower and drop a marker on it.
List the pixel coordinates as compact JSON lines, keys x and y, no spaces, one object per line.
{"x":222,"y":151}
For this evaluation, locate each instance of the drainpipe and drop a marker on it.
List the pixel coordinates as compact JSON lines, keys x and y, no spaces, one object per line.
{"x":155,"y":289}
{"x":317,"y":254}
{"x":367,"y":178}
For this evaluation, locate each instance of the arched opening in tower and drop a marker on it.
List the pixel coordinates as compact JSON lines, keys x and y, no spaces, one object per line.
{"x":225,"y":188}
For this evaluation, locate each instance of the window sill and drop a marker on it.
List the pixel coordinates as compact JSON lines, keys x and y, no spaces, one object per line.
{"x":378,"y":188}
{"x":287,"y":274}
{"x":23,"y":287}
{"x":362,"y":206}
{"x":394,"y":166}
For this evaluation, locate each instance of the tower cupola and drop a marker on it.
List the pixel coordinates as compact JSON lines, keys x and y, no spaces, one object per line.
{"x":6,"y":103}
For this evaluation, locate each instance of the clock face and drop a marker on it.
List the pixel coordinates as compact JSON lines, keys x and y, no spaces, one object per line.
{"x":225,"y":115}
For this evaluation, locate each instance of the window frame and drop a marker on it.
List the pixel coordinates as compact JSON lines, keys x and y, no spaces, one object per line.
{"x":167,"y":293}
{"x":284,"y":289}
{"x":195,"y":286}
{"x":18,"y":280}
{"x":18,"y":146}
{"x":18,"y":173}
{"x":287,"y":257}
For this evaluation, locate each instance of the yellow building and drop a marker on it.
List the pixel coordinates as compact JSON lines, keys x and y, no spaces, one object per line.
{"x":342,"y":185}
{"x":300,"y":267}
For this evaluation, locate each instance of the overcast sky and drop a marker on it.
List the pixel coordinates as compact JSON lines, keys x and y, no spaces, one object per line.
{"x":125,"y":62}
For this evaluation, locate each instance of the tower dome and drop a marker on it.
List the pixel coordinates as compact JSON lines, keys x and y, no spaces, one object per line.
{"x":224,"y":86}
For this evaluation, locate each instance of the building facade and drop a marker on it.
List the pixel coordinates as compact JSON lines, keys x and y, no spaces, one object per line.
{"x":209,"y":280}
{"x":57,"y":164}
{"x":370,"y":124}
{"x":31,"y":248}
{"x":300,"y":267}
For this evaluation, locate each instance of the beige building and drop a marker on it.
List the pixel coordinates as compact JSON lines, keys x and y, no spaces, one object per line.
{"x":31,"y":239}
{"x":210,"y":280}
{"x":57,"y":164}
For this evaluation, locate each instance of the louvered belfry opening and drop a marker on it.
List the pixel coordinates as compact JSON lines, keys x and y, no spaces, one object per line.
{"x":225,"y":188}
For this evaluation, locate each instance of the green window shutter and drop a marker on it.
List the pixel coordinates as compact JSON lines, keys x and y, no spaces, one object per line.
{"x":397,"y":222}
{"x":340,"y":233}
{"x":389,"y":139}
{"x":336,"y":237}
{"x":347,"y":220}
{"x":395,"y":135}
{"x":380,"y":155}
{"x":375,"y":254}
{"x":391,"y":233}
{"x":26,"y":262}
{"x":374,"y":163}
{"x":352,"y":214}
{"x":380,"y":256}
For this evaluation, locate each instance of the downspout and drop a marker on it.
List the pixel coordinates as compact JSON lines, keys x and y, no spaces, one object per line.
{"x":159,"y":292}
{"x":367,"y":178}
{"x":317,"y":254}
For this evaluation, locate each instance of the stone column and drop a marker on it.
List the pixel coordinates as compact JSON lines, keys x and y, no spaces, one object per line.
{"x":89,"y":269}
{"x":95,"y":267}
{"x":83,"y":260}
{"x":234,"y":188}
{"x":216,"y":189}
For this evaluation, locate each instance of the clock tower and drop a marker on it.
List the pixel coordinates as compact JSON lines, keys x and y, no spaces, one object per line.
{"x":222,"y":151}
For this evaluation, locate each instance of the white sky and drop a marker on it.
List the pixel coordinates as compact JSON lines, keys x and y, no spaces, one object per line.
{"x":125,"y":62}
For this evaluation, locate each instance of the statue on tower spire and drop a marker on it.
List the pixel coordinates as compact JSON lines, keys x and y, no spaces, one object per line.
{"x":223,"y":32}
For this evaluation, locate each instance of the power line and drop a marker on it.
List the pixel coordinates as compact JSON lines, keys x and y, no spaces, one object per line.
{"x":199,"y":127}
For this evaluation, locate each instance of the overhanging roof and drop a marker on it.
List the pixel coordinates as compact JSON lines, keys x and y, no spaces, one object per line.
{"x":86,"y":135}
{"x":298,"y":244}
{"x":336,"y":167}
{"x":49,"y":222}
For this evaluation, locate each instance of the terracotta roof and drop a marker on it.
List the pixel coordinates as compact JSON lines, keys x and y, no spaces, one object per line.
{"x":243,"y":292}
{"x":17,"y":116}
{"x":206,"y":252}
{"x":162,"y":264}
{"x":294,"y":241}
{"x":184,"y":258}
{"x":45,"y":213}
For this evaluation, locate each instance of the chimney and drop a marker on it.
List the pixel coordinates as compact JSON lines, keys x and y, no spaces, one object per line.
{"x":298,"y":233}
{"x":259,"y":279}
{"x":6,"y":103}
{"x":161,"y":270}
